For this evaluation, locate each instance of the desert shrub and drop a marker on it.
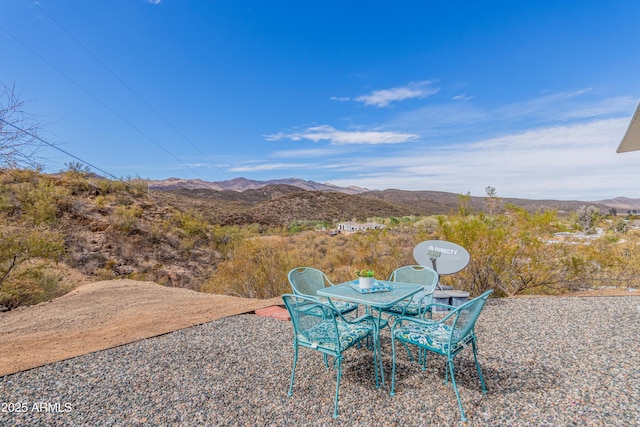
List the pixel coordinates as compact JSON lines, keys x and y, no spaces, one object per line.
{"x":509,"y":252}
{"x":23,"y":254}
{"x":627,"y":259}
{"x":137,"y":186}
{"x":257,"y":268}
{"x":100,"y":202}
{"x":189,"y":224}
{"x":155,"y":233}
{"x":606,"y":263}
{"x":77,"y":177}
{"x":32,"y":285}
{"x":586,"y":218}
{"x":126,"y":218}
{"x":23,"y":175}
{"x":105,"y":273}
{"x":39,"y":204}
{"x":294,"y":227}
{"x":426,"y":227}
{"x":298,"y":226}
{"x":118,"y":186}
{"x":7,"y":203}
{"x":189,"y":229}
{"x":222,"y":238}
{"x":104,"y":185}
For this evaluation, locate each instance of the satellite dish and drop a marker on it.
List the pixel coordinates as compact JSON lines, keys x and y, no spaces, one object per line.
{"x":444,"y":257}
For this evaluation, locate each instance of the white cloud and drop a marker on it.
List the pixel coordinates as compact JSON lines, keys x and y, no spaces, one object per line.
{"x":462,"y":97}
{"x":557,"y":146}
{"x":341,"y":137}
{"x":620,"y":105}
{"x":572,"y":162}
{"x":580,"y":104}
{"x":154,"y":1}
{"x":266,"y":167}
{"x":465,"y":121}
{"x":384,"y":97}
{"x":310,"y":153}
{"x":315,"y":165}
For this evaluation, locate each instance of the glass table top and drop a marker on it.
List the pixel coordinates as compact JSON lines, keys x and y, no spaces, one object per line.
{"x":348,"y":292}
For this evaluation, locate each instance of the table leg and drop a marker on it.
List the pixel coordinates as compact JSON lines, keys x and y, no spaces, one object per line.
{"x":379,"y":347}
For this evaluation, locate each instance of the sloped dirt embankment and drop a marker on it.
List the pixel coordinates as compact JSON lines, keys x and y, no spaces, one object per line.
{"x":106,"y":314}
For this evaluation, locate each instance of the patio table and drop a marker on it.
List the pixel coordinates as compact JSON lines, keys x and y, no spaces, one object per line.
{"x":349,"y":291}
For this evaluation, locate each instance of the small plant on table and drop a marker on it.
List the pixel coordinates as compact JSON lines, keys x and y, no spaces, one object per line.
{"x":365,"y":273}
{"x":366,"y":279}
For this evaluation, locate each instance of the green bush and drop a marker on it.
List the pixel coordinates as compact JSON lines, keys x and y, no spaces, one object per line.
{"x":257,"y":269}
{"x":23,"y":259}
{"x":32,"y":285}
{"x":77,"y":177}
{"x":39,"y":204}
{"x":126,"y":218}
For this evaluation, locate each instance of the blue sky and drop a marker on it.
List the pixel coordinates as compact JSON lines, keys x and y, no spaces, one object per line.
{"x":531,"y":98}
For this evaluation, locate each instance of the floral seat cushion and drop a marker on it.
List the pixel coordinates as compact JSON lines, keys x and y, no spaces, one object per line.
{"x":323,"y":334}
{"x":434,"y":337}
{"x":316,"y":310}
{"x":344,"y":307}
{"x":412,"y":309}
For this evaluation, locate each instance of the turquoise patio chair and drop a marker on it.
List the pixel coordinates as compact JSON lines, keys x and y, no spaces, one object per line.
{"x":321,"y":327}
{"x":447,"y":337}
{"x":306,"y":281}
{"x":420,"y":303}
{"x":420,"y":275}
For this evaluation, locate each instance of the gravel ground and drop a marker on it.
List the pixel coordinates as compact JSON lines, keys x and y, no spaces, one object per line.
{"x":546,"y":362}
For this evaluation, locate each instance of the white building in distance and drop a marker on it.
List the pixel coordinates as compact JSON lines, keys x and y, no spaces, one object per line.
{"x":351,"y":226}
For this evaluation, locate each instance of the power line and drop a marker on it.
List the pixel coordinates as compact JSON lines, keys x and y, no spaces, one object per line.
{"x":34,"y":136}
{"x":120,"y":116}
{"x":94,"y":167}
{"x":136,"y":94}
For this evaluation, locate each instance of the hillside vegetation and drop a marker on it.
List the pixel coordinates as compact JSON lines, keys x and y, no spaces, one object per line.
{"x":58,"y":231}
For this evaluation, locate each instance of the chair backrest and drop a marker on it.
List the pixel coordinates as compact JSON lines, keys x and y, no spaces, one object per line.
{"x":313,"y":321}
{"x":418,"y":274}
{"x":465,"y":317}
{"x":307,"y":281}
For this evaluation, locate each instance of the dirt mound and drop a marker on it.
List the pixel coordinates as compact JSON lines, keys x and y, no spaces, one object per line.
{"x":106,"y":314}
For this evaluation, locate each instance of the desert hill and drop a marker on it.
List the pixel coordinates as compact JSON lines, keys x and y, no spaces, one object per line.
{"x":277,"y":205}
{"x":244,"y":184}
{"x":622,"y":204}
{"x":280,"y":204}
{"x":249,"y":192}
{"x":442,"y":203}
{"x":324,"y":206}
{"x":113,"y":229}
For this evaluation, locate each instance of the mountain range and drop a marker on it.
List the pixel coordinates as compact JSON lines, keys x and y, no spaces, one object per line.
{"x":417,"y":202}
{"x":243,"y":184}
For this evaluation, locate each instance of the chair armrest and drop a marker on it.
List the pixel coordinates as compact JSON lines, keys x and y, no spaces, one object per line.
{"x":437,"y":304}
{"x":452,"y":310}
{"x":360,"y":319}
{"x":411,"y":319}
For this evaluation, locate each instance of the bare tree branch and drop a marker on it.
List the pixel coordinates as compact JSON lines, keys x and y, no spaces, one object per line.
{"x":19,"y":144}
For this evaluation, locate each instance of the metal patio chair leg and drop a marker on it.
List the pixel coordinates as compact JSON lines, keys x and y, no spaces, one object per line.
{"x":455,"y":388}
{"x":447,"y":337}
{"x":293,"y":369}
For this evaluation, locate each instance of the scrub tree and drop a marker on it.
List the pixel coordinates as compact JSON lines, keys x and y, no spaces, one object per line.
{"x":19,"y":140}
